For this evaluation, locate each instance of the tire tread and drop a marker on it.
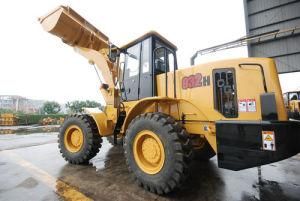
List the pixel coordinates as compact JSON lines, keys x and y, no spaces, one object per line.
{"x":92,"y":137}
{"x":182,"y":146}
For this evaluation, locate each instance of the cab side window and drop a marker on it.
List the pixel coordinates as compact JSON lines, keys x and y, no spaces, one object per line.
{"x":225,"y":92}
{"x":171,"y":62}
{"x":133,"y":61}
{"x":164,"y":60}
{"x":285,"y":99}
{"x":160,"y":61}
{"x":293,"y":96}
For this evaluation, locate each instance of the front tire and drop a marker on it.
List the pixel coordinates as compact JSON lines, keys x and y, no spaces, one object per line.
{"x":158,"y":152}
{"x":78,"y":139}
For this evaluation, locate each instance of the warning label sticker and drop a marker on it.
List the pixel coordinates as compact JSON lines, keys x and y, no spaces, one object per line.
{"x":243,"y":105}
{"x":247,"y":105}
{"x":251,"y":105}
{"x":268,"y":139}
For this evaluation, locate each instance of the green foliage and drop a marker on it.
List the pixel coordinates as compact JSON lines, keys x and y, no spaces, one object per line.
{"x":2,"y":111}
{"x":51,"y":107}
{"x":28,"y":119}
{"x":77,"y":106}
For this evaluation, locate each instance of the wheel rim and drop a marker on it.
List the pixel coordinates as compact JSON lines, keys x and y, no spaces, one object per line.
{"x":148,"y":152}
{"x":73,"y":138}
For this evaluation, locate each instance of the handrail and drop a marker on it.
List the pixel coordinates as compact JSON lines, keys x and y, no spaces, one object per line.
{"x":243,"y":42}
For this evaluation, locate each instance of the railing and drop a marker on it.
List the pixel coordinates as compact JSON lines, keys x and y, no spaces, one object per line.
{"x":258,"y":38}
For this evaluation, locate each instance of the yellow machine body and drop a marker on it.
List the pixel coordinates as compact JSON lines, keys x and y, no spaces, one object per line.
{"x":253,"y":98}
{"x":197,"y":103}
{"x":292,"y":103}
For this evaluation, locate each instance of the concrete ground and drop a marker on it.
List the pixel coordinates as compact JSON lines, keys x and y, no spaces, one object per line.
{"x":31,"y":168}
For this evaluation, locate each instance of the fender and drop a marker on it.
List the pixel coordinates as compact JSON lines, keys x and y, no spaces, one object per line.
{"x":104,"y":125}
{"x":164,"y":103}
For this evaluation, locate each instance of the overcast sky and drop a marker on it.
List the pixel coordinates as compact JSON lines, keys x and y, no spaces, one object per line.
{"x":38,"y":65}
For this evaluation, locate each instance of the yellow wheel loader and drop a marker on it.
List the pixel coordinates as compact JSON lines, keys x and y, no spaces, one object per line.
{"x":292,"y":104}
{"x":233,"y":109}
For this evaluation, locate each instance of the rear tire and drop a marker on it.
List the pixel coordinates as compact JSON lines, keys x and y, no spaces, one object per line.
{"x":176,"y":152}
{"x":78,"y":139}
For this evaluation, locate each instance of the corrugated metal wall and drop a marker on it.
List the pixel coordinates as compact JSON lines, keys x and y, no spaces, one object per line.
{"x":267,"y":15}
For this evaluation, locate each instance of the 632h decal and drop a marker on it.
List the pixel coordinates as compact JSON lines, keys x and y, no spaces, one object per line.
{"x":196,"y":80}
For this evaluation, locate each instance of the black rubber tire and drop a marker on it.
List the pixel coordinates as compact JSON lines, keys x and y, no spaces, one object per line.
{"x":91,"y":139}
{"x":178,"y":152}
{"x":205,"y":153}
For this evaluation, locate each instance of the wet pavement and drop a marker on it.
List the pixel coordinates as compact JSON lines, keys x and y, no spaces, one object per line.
{"x":31,"y":168}
{"x":23,"y":130}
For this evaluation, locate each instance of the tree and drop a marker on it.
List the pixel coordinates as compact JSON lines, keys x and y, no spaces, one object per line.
{"x":2,"y":111}
{"x":51,"y":107}
{"x":77,"y":106}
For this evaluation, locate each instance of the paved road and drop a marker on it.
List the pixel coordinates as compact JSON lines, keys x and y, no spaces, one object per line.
{"x":31,"y":168}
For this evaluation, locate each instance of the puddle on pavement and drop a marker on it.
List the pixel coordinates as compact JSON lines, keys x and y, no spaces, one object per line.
{"x":25,"y":130}
{"x":208,"y":182}
{"x":271,"y":190}
{"x":110,"y":174}
{"x":28,"y":183}
{"x":103,"y":160}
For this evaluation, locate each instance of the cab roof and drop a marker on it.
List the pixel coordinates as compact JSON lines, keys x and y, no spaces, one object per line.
{"x":146,"y":35}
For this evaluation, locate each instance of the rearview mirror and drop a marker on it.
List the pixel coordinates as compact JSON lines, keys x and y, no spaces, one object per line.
{"x":113,"y":53}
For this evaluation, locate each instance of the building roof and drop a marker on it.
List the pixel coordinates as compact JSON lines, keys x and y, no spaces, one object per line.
{"x":148,"y":34}
{"x":11,"y":97}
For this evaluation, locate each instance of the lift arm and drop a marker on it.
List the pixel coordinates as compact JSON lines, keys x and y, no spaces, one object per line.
{"x":88,"y":41}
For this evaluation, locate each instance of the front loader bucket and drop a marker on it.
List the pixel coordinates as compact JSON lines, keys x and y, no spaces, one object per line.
{"x":73,"y":29}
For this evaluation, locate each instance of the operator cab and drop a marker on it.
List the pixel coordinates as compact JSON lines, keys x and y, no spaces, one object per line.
{"x":146,"y":57}
{"x":291,"y":96}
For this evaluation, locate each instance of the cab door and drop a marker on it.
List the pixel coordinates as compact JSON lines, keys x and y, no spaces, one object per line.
{"x":131,"y":73}
{"x":146,"y":85}
{"x":164,"y":71}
